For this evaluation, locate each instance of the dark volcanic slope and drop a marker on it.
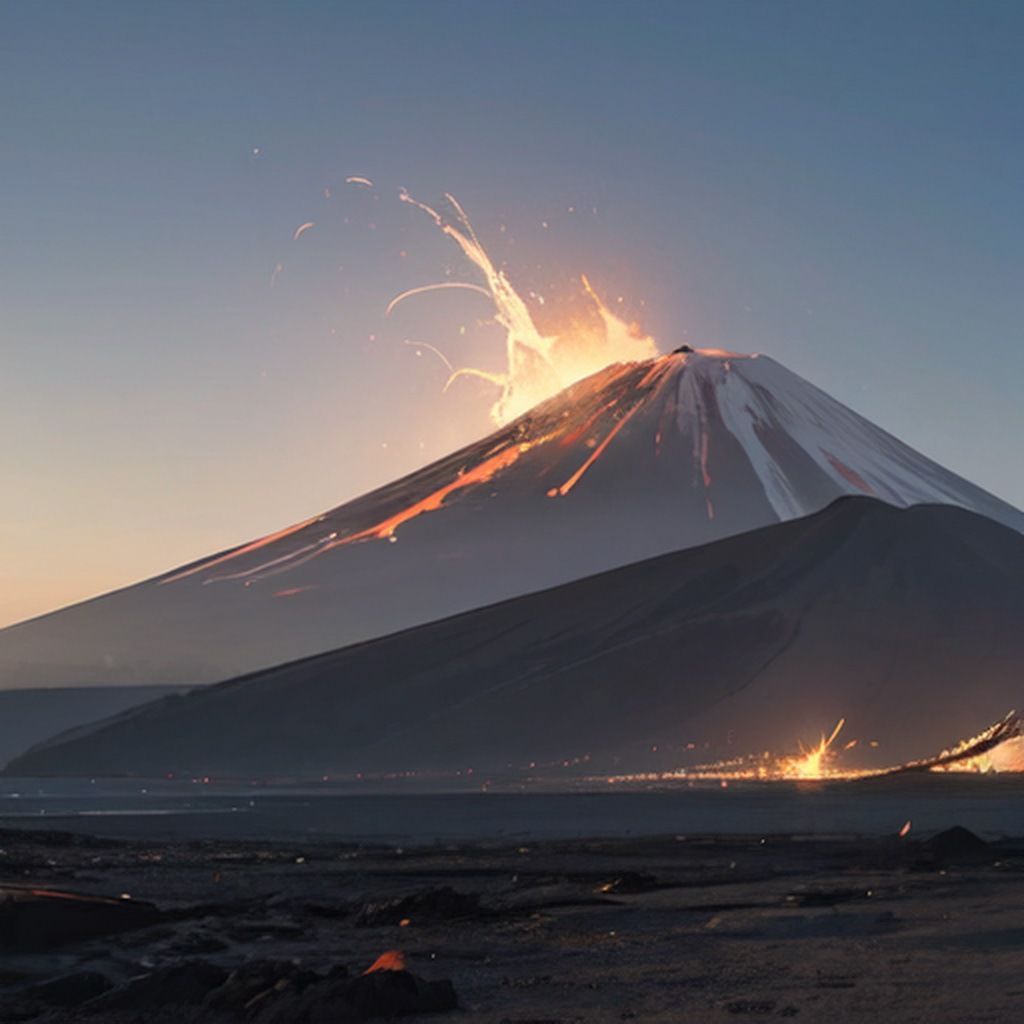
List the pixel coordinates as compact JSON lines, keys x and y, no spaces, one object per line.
{"x":29,"y":716}
{"x":906,"y":622}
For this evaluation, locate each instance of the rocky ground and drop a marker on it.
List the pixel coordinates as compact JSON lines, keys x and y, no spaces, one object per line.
{"x":663,"y":929}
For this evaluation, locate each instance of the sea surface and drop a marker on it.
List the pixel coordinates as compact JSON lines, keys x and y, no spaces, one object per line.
{"x":990,"y":806}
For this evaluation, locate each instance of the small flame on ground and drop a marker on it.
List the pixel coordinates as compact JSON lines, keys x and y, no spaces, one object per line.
{"x":392,"y":960}
{"x":537,"y":365}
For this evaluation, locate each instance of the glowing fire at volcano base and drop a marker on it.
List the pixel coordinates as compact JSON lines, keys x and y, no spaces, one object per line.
{"x":999,"y":748}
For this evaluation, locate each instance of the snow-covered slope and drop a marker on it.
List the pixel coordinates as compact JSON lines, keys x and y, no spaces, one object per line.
{"x":638,"y":460}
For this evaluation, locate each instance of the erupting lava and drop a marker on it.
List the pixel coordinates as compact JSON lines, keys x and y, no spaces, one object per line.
{"x":538,"y":366}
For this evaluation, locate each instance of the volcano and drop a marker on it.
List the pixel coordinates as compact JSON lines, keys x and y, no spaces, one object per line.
{"x":636,"y":461}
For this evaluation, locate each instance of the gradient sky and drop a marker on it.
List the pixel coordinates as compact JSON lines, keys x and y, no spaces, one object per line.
{"x":836,"y":185}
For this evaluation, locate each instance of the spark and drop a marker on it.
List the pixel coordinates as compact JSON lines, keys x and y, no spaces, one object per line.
{"x":277,"y":270}
{"x":813,"y":763}
{"x":431,"y":348}
{"x":905,"y":829}
{"x":357,"y":179}
{"x":302,"y":229}
{"x":439,"y":286}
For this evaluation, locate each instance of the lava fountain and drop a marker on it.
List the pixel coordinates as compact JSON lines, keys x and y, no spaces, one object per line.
{"x":538,"y":365}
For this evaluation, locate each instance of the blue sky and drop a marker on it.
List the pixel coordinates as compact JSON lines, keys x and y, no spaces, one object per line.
{"x":836,"y":185}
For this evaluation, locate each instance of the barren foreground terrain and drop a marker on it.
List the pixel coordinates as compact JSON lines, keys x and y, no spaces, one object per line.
{"x":662,"y":929}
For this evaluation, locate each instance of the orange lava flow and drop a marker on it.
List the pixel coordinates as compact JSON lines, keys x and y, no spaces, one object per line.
{"x":245,"y":549}
{"x":651,"y":378}
{"x":384,"y":529}
{"x":571,"y":437}
{"x":546,"y":426}
{"x":477,"y":475}
{"x":593,"y":457}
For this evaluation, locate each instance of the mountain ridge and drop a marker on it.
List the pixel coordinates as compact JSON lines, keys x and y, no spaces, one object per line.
{"x":906,"y":622}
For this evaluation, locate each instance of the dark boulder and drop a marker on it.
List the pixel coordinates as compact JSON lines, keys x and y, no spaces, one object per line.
{"x":71,"y":989}
{"x":957,"y":845}
{"x":36,"y":920}
{"x":183,"y":984}
{"x":396,"y":993}
{"x":431,"y":905}
{"x":386,"y":990}
{"x":258,"y":982}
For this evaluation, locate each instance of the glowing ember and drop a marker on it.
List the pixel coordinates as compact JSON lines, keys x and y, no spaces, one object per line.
{"x":816,"y":763}
{"x":537,"y":365}
{"x":392,"y":960}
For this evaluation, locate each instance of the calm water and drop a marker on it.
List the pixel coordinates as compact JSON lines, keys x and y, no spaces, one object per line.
{"x":989,"y":806}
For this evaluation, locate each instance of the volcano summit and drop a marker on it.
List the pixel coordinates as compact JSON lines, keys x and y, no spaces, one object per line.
{"x":638,"y":460}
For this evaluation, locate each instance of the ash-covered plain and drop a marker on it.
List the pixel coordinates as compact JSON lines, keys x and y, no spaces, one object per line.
{"x":658,"y":929}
